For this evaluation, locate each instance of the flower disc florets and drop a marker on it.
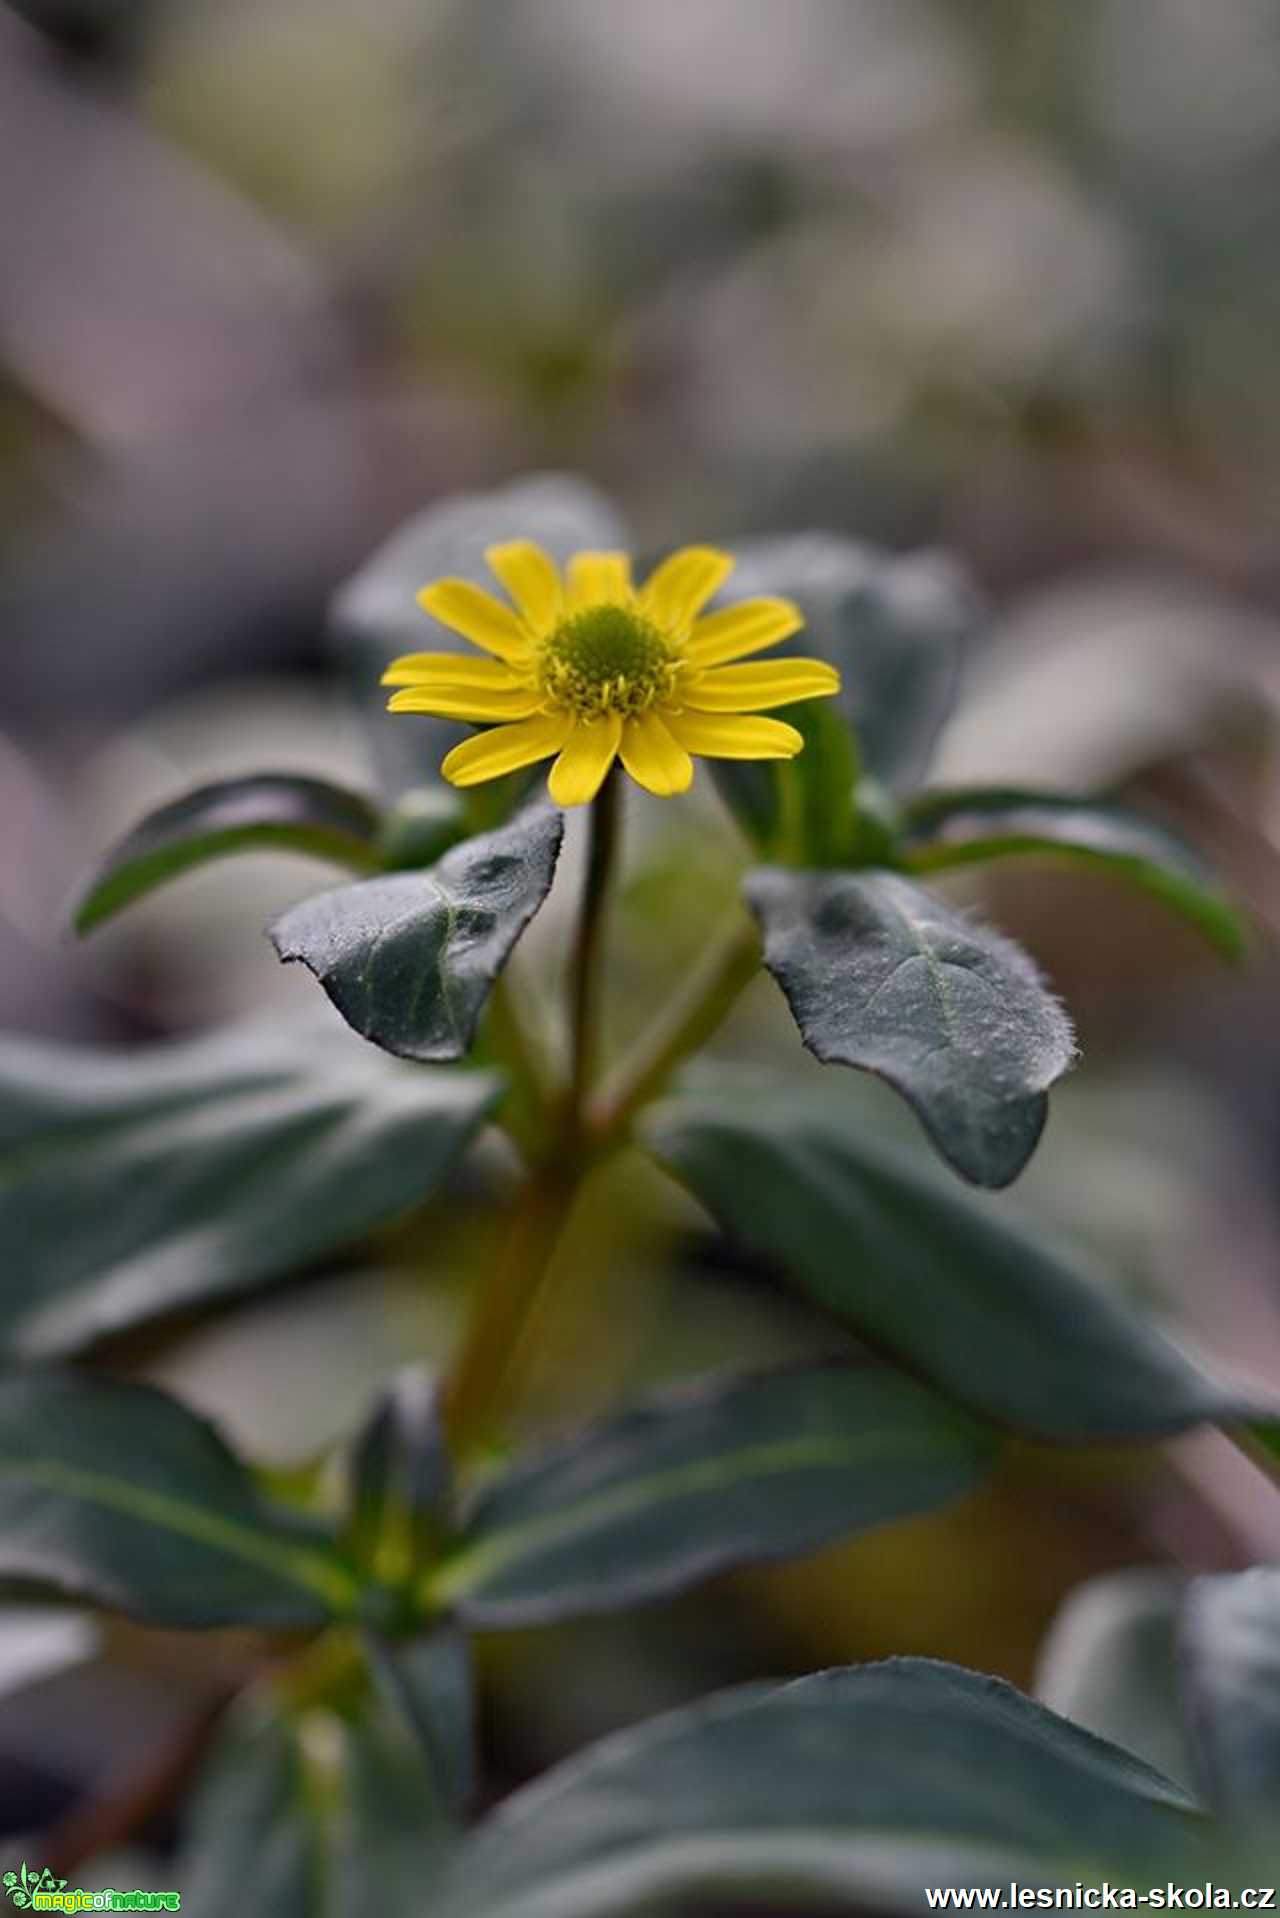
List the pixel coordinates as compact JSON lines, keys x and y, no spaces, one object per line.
{"x":606,"y":659}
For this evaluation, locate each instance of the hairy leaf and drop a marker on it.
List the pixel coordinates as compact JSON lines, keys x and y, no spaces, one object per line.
{"x":698,"y":1479}
{"x":410,"y":959}
{"x":244,"y":1157}
{"x":881,"y":975}
{"x":860,"y":1786}
{"x":980,"y":823}
{"x":947,"y":1281}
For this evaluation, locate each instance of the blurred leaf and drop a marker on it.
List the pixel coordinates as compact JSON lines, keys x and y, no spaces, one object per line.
{"x":376,"y":615}
{"x":979,"y":823}
{"x":251,"y":1843}
{"x":816,"y":789}
{"x":268,"y":811}
{"x":115,"y":1493}
{"x":1230,"y":1645}
{"x":1109,"y":1663}
{"x":893,"y":627}
{"x":799,"y":811}
{"x":946,"y":1281}
{"x":881,"y":975}
{"x":422,"y":825}
{"x":695,"y":1480}
{"x":316,"y":1816}
{"x":244,"y":1157}
{"x":400,"y":1480}
{"x":860,"y":1785}
{"x":409,"y":960}
{"x":430,"y":1680}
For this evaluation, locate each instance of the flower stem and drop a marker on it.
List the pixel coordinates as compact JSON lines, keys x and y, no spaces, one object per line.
{"x":486,"y":1375}
{"x":480,"y":1384}
{"x":585,"y":985}
{"x":685,"y":1025}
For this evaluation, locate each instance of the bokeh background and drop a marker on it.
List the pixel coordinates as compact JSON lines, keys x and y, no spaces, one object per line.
{"x":998,"y":275}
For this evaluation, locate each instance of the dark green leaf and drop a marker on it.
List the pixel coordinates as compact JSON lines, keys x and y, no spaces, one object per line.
{"x":881,"y":975}
{"x":978,"y":823}
{"x":862,"y":1785}
{"x":1230,"y":1644}
{"x":409,"y":960}
{"x":376,"y":616}
{"x":1110,"y":1663}
{"x":947,"y":1281}
{"x":253,"y":1844}
{"x":699,"y":1479}
{"x":401,"y":1480}
{"x":268,"y":811}
{"x":313,"y":1816}
{"x":430,"y":1682}
{"x":892,"y":626}
{"x":244,"y":1157}
{"x":115,"y":1493}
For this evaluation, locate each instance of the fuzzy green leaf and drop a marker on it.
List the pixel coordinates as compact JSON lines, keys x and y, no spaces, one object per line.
{"x":947,"y":1281}
{"x":410,"y":959}
{"x":857,"y":1787}
{"x":979,"y":823}
{"x":698,"y":1479}
{"x":881,"y":975}
{"x":245,"y":1157}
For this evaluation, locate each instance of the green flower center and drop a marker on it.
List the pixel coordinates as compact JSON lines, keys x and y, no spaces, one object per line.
{"x":608,"y":659}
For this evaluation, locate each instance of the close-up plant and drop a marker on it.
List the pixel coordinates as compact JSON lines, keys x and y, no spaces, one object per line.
{"x":544,"y":1404}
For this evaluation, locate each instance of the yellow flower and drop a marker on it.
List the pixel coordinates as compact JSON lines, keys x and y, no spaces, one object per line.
{"x":590,"y":667}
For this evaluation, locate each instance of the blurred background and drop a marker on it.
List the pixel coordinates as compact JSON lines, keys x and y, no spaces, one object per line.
{"x":1000,"y":275}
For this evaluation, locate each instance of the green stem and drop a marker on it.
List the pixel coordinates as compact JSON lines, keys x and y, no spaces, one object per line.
{"x":685,"y":1026}
{"x":483,"y":1380}
{"x":486,"y":1375}
{"x":529,"y":1095}
{"x":585,"y":983}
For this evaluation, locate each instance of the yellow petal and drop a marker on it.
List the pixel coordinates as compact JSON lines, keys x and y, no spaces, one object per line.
{"x":679,"y":589}
{"x":730,"y":736}
{"x":653,"y":758}
{"x":589,"y":751}
{"x":753,"y":689}
{"x":505,"y":749}
{"x":478,"y":616}
{"x":532,"y":578}
{"x":748,"y":627}
{"x":599,"y":576}
{"x":461,"y":702}
{"x":452,"y":670}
